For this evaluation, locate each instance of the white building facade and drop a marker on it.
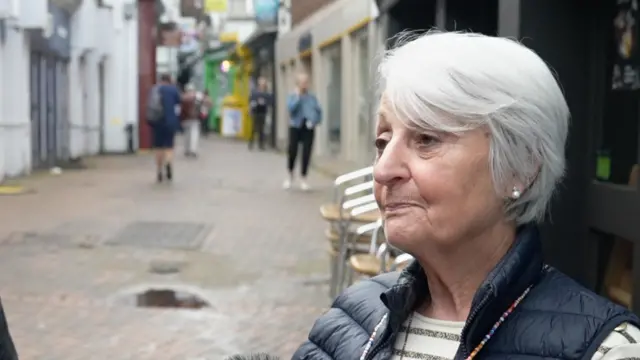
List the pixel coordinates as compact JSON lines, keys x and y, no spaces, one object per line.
{"x":337,"y":47}
{"x":66,"y":92}
{"x":119,"y":57}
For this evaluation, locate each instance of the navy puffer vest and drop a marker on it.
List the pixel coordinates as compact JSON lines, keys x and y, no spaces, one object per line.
{"x":559,"y":319}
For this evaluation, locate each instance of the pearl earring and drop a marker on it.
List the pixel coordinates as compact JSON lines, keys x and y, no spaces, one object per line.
{"x":515,"y":194}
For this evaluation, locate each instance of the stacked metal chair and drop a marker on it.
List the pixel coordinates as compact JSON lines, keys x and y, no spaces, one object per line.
{"x":380,"y":258}
{"x":355,"y":232}
{"x":351,"y":190}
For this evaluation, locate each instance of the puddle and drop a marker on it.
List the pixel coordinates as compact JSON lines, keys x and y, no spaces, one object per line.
{"x":167,"y":298}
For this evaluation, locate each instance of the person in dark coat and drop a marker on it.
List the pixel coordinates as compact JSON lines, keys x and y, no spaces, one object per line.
{"x":7,"y":349}
{"x":470,"y":140}
{"x":260,"y":102}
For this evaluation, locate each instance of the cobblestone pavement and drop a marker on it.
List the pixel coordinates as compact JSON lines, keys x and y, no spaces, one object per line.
{"x":76,"y":251}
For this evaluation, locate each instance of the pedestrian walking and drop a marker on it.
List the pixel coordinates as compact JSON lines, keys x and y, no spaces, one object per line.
{"x":190,"y":117}
{"x":163,"y":107}
{"x":304,"y":115}
{"x":7,"y":348}
{"x":261,"y":102}
{"x":205,"y":105}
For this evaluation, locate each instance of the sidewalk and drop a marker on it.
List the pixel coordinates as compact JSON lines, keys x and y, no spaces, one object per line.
{"x":75,"y":253}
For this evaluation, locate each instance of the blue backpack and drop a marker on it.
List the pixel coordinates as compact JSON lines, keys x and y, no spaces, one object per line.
{"x":155,"y":110}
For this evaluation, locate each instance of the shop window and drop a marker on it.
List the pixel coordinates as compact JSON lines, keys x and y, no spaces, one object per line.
{"x":617,"y":145}
{"x":363,"y":95}
{"x":479,"y":16}
{"x":333,"y":65}
{"x":416,"y":16}
{"x":618,"y":282}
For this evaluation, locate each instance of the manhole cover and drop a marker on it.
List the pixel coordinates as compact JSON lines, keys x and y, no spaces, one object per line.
{"x":167,"y":235}
{"x":166,"y":298}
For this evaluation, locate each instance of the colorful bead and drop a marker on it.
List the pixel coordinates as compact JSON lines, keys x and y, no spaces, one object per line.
{"x":372,"y":338}
{"x":497,"y":325}
{"x":475,"y":351}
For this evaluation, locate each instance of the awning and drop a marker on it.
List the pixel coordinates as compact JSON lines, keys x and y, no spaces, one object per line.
{"x":261,"y":35}
{"x":221,"y":52}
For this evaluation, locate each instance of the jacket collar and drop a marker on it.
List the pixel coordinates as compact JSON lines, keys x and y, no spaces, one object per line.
{"x":517,"y":270}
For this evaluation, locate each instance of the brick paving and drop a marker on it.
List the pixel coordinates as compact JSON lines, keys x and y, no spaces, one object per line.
{"x":69,"y":294}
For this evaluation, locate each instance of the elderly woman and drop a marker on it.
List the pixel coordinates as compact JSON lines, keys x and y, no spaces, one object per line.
{"x":471,"y":133}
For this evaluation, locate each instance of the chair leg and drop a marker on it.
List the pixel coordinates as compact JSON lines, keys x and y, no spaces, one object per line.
{"x":342,"y":253}
{"x":349,"y":276}
{"x":333,"y":281}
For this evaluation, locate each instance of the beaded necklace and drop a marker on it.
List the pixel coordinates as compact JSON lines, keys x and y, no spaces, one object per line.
{"x":475,"y":351}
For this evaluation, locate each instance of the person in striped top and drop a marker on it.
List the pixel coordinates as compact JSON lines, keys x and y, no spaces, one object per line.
{"x":424,"y":338}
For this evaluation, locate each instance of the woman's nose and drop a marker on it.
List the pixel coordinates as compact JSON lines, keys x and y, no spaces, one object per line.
{"x":391,"y":164}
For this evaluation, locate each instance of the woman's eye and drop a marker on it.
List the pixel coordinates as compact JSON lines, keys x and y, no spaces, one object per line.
{"x":426,"y":140}
{"x":380,"y":144}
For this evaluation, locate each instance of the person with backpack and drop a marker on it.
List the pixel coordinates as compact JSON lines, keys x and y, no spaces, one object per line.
{"x":162,"y":115}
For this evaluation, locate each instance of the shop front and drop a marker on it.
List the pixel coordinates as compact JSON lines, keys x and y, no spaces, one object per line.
{"x":335,"y":47}
{"x":49,"y":87}
{"x":593,"y":233}
{"x":262,"y":46}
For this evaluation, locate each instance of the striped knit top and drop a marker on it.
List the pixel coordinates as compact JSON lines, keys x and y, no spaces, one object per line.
{"x":430,"y":339}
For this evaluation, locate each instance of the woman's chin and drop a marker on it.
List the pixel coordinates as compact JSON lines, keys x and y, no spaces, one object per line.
{"x":398,"y":236}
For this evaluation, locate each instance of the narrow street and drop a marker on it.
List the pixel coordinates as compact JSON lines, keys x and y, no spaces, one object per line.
{"x":77,"y":251}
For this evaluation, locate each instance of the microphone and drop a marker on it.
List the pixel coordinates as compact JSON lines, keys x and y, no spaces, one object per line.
{"x":258,"y":356}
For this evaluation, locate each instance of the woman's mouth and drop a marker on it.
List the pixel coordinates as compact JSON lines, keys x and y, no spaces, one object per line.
{"x":397,"y":207}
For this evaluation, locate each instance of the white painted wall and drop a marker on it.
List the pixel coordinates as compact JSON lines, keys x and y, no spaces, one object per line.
{"x":121,"y":80}
{"x":116,"y":46}
{"x":15,"y":122}
{"x":83,"y":112}
{"x":15,"y":125}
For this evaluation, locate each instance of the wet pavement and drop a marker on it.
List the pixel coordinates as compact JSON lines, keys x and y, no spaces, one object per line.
{"x":76,"y":252}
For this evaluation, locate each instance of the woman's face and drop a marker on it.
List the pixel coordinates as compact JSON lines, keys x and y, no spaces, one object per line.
{"x":433,"y":189}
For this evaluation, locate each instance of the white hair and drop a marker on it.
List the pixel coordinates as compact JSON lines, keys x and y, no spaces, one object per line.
{"x":455,"y":82}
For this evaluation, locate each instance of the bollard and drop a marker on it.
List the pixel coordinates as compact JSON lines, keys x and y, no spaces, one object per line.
{"x":130,"y":143}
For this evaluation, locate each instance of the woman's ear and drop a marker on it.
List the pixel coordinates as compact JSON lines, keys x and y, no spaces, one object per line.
{"x":519,"y":187}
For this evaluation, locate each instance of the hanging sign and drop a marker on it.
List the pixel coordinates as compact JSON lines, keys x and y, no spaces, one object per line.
{"x":215,"y":6}
{"x":626,"y":68}
{"x":266,"y":12}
